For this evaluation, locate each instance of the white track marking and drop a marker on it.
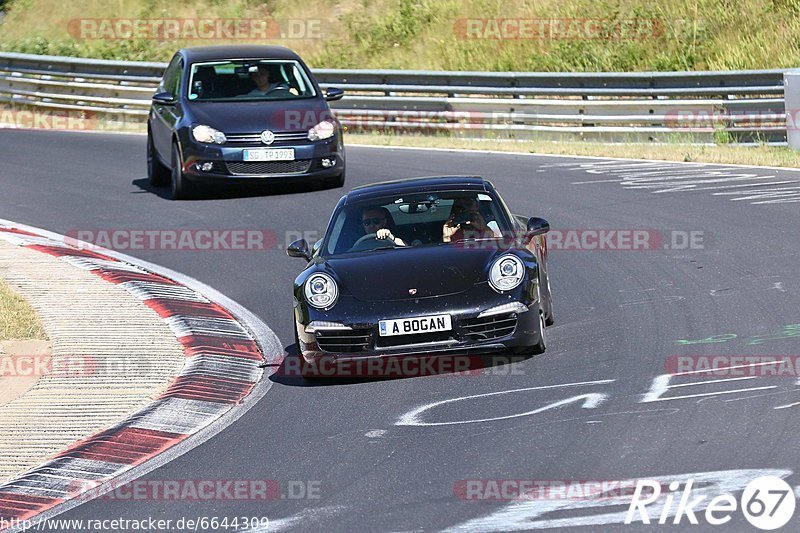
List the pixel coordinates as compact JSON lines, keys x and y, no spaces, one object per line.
{"x":742,"y":185}
{"x":671,"y":173}
{"x":671,"y":177}
{"x":786,"y":406}
{"x":709,"y":382}
{"x":732,"y":367}
{"x":594,"y":181}
{"x":687,"y":186}
{"x":530,"y":515}
{"x":590,"y":401}
{"x":784,"y":201}
{"x":661,"y":386}
{"x":775,"y":195}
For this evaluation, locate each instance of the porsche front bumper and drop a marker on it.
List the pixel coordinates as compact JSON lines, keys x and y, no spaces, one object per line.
{"x":351,"y":334}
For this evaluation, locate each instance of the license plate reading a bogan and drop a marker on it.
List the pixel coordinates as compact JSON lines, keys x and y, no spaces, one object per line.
{"x":411,"y":326}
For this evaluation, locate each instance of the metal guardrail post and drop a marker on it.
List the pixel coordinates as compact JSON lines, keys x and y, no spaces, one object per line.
{"x":792,"y":106}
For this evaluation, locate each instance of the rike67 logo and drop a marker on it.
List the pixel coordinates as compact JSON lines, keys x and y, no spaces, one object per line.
{"x":767,"y":503}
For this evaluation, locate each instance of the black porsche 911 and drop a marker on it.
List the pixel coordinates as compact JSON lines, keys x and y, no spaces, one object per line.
{"x":241,"y":114}
{"x":424,"y":266}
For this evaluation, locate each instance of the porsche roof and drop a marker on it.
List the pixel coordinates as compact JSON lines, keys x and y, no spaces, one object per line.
{"x":426,"y":184}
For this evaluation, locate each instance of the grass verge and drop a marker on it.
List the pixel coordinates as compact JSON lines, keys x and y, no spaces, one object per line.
{"x":18,"y":320}
{"x":759,"y":155}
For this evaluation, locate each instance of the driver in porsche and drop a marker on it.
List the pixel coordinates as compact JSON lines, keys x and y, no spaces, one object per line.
{"x":376,"y":220}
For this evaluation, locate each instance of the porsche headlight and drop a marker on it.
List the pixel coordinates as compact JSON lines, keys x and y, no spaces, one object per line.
{"x":506,"y":273}
{"x":321,"y":291}
{"x":323,"y":130}
{"x":207,"y":134}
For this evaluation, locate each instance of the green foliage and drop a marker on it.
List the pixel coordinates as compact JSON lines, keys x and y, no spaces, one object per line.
{"x":423,"y":34}
{"x":722,"y":136}
{"x":134,"y":50}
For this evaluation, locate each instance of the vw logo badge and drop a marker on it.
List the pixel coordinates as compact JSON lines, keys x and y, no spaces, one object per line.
{"x":267,"y":137}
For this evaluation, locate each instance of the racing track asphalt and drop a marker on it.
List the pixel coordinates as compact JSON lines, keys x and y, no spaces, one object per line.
{"x":618,"y":315}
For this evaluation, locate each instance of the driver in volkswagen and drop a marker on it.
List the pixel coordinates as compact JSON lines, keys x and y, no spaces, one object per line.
{"x":267,"y":79}
{"x":376,"y":220}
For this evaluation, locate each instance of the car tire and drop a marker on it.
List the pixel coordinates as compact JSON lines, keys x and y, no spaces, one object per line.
{"x":549,"y":318}
{"x":541,"y":346}
{"x":179,"y":186}
{"x":306,"y":373}
{"x":157,"y":174}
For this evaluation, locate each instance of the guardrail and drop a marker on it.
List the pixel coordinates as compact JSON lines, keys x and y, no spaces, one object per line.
{"x":737,"y":106}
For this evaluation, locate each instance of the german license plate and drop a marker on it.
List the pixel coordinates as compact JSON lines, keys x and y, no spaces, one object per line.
{"x":411,"y":326}
{"x":282,"y":154}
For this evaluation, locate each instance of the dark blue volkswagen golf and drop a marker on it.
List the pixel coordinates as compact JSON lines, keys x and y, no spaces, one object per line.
{"x":241,"y":114}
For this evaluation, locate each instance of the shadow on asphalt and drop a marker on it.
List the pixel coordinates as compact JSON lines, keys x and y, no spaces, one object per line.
{"x":232,"y":191}
{"x":290,"y":372}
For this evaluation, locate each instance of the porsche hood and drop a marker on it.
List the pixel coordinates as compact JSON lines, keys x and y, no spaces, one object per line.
{"x":411,"y":273}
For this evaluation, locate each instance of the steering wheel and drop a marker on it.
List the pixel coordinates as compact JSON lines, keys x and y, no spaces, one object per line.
{"x":366,"y":237}
{"x":280,"y":87}
{"x":359,"y":246}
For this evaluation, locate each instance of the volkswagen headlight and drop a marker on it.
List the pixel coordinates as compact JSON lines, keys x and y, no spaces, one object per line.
{"x":321,"y":291}
{"x":207,"y":134}
{"x":506,"y":273}
{"x":323,"y":130}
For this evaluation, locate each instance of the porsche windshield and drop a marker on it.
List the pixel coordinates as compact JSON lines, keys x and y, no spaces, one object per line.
{"x":249,"y":80}
{"x":415,"y":220}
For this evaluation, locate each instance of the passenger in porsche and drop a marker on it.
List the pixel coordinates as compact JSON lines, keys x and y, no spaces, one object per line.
{"x":466,"y":222}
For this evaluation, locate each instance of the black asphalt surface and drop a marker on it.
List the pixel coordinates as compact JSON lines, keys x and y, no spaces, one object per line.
{"x":618,"y":317}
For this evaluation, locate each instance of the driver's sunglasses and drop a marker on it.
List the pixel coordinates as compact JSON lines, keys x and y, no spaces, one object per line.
{"x":373,"y":221}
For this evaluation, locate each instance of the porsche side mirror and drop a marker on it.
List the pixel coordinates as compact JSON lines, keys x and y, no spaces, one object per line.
{"x":165,"y":98}
{"x":537,"y":226}
{"x":333,"y":94}
{"x":299,"y":248}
